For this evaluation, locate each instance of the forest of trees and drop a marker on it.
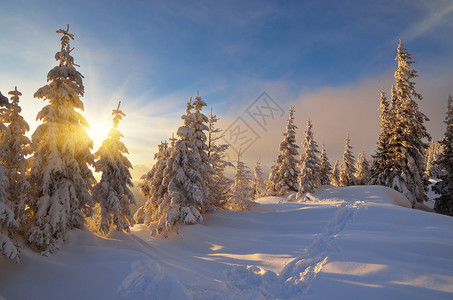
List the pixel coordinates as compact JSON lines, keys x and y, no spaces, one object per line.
{"x":47,"y":187}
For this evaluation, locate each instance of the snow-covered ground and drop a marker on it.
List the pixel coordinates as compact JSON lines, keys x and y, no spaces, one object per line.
{"x":344,"y":243}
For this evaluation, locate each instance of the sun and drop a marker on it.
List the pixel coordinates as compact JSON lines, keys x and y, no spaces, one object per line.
{"x":98,"y":132}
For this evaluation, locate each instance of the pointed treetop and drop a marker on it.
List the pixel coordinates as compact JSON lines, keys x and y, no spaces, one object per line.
{"x":383,"y":105}
{"x":173,"y":139}
{"x":15,"y":92}
{"x":64,"y":55}
{"x":198,"y":94}
{"x":65,"y":38}
{"x":66,"y":32}
{"x":15,"y":95}
{"x":400,"y":47}
{"x":118,"y":115}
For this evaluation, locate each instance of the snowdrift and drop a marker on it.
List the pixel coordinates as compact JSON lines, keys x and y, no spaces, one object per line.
{"x":342,"y":243}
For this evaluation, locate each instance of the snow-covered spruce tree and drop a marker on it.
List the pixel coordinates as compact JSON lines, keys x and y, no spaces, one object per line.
{"x":220,"y":185}
{"x":285,"y":172}
{"x":14,"y":147}
{"x":187,"y":195}
{"x":406,"y":164}
{"x":259,"y":188}
{"x":151,"y":186}
{"x":198,"y":123}
{"x":347,"y":168}
{"x":309,"y":166}
{"x":335,"y":178}
{"x":325,"y":169}
{"x":60,"y":176}
{"x":362,"y":167}
{"x":383,"y":159}
{"x":241,"y":191}
{"x":444,"y":203}
{"x":433,"y":169}
{"x":112,"y":191}
{"x":7,"y":222}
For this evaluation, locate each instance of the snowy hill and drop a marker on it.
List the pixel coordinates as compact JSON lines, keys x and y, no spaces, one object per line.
{"x":345,"y":243}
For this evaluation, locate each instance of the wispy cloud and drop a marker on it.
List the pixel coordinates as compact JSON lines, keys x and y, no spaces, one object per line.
{"x":436,"y":17}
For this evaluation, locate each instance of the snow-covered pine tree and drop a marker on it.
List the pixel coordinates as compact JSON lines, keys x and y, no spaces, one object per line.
{"x":112,"y":191}
{"x":7,"y":222}
{"x":309,"y":166}
{"x":151,"y":186}
{"x":325,"y":169}
{"x":406,"y":162}
{"x":187,"y":195}
{"x":362,"y":173}
{"x":444,"y":203}
{"x":285,"y":171}
{"x":60,"y":176}
{"x":335,"y":178}
{"x":241,"y":191}
{"x":383,"y":160}
{"x":198,"y":123}
{"x":433,"y":169}
{"x":219,"y":187}
{"x":14,"y":147}
{"x":259,"y":188}
{"x":347,"y":168}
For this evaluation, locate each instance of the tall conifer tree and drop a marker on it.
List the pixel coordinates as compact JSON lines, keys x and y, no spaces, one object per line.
{"x":285,"y":172}
{"x":8,"y":224}
{"x":151,"y":186}
{"x":259,"y":189}
{"x":309,"y":166}
{"x":335,"y":178}
{"x":199,"y":125}
{"x":220,"y":185}
{"x":187,"y":194}
{"x":15,"y":147}
{"x":433,"y":169}
{"x":404,"y":168}
{"x":60,"y":176}
{"x":383,"y":159}
{"x":444,"y":203}
{"x":347,"y":168}
{"x":362,"y":169}
{"x":241,"y":190}
{"x":325,"y":171}
{"x":112,"y":192}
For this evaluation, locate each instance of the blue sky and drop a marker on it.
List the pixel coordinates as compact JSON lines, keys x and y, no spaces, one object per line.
{"x":328,"y":58}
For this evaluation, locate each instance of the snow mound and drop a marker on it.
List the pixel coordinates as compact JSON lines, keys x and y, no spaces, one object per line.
{"x":271,"y":200}
{"x":367,"y":193}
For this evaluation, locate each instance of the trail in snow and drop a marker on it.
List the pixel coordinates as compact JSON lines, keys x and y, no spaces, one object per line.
{"x":297,"y":275}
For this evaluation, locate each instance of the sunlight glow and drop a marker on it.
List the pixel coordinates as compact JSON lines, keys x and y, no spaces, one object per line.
{"x":353,"y":268}
{"x":215,"y":247}
{"x":98,"y":132}
{"x":429,"y":281}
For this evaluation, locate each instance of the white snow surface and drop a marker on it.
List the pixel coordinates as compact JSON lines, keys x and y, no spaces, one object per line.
{"x":342,"y":243}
